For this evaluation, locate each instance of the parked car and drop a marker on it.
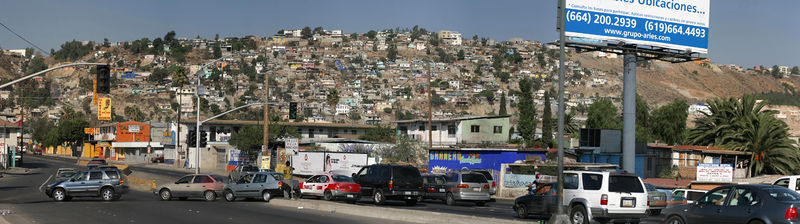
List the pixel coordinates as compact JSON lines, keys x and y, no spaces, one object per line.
{"x":656,"y":200}
{"x":37,"y":152}
{"x":97,"y":161}
{"x":18,"y":158}
{"x":543,"y":202}
{"x":390,"y":182}
{"x":743,"y":203}
{"x":241,"y":170}
{"x":789,"y":182}
{"x":157,"y":159}
{"x":434,"y":186}
{"x":106,"y":184}
{"x":203,"y":186}
{"x":467,"y":186}
{"x":286,"y":186}
{"x":492,"y":182}
{"x":331,"y":186}
{"x":685,"y":196}
{"x":64,"y":174}
{"x":604,"y":196}
{"x":258,"y":184}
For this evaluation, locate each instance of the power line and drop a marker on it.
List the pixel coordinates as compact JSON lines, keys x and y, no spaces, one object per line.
{"x":26,"y":40}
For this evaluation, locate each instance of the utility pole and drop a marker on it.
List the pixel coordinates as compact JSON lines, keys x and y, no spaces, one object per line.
{"x":560,"y":216}
{"x":265,"y":147}
{"x":197,"y":132}
{"x":178,"y":134}
{"x":430,"y":105}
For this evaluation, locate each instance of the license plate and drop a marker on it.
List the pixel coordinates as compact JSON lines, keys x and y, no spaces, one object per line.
{"x":350,"y":196}
{"x":408,"y":192}
{"x":656,"y":198}
{"x":441,"y":190}
{"x":476,"y":189}
{"x":627,"y":202}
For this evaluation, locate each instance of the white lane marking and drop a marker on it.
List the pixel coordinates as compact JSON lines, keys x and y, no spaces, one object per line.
{"x":45,"y":182}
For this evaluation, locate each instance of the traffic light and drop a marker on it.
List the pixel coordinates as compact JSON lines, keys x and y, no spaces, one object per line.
{"x":293,"y":110}
{"x":191,"y":139}
{"x":203,"y":139}
{"x":103,"y":79}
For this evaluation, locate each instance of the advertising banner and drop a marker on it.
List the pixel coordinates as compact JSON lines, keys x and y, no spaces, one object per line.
{"x":104,"y":109}
{"x":715,"y":172}
{"x":344,"y":163}
{"x":673,"y":24}
{"x":308,"y":163}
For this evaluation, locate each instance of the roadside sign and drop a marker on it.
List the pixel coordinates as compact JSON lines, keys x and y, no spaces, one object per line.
{"x":134,"y":128}
{"x":90,"y":131}
{"x":677,"y":24}
{"x":292,"y":145}
{"x":104,"y":109}
{"x":715,"y":172}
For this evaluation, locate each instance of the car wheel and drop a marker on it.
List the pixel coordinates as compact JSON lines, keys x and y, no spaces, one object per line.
{"x":675,"y":220}
{"x":165,"y":195}
{"x":379,"y":197}
{"x":266,"y":196}
{"x":449,"y":199}
{"x":229,"y":195}
{"x":578,"y":215}
{"x":411,"y":202}
{"x":420,"y":199}
{"x":755,"y":222}
{"x":210,"y":196}
{"x":480,"y":203}
{"x":107,"y":194}
{"x":59,"y":195}
{"x":522,"y":211}
{"x":328,"y":196}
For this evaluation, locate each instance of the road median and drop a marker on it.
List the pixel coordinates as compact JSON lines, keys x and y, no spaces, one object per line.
{"x":405,"y":215}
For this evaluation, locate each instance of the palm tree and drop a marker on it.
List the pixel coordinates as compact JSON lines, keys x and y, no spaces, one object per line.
{"x":742,"y":125}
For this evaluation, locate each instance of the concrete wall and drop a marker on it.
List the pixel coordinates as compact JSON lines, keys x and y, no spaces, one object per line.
{"x":440,"y":135}
{"x":486,"y":132}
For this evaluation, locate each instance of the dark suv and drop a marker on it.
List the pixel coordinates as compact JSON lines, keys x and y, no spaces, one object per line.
{"x":392,"y":182}
{"x":105,"y":183}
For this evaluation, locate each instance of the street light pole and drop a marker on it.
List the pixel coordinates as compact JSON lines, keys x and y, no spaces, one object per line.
{"x":560,"y":216}
{"x":197,"y":132}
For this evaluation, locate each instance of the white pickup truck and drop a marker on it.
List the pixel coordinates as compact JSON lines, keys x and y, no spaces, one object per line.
{"x":789,"y":182}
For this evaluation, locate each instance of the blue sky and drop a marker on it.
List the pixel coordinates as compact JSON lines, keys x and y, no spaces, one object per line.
{"x":743,"y":32}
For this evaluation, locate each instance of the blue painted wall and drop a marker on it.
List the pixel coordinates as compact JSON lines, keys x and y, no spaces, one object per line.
{"x":483,"y":159}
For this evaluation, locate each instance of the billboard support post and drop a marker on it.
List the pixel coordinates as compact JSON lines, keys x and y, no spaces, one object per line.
{"x":629,"y":112}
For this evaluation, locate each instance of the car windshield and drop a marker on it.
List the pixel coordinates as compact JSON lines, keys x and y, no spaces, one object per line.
{"x":627,"y":184}
{"x":782,"y":194}
{"x":473,"y":178}
{"x":65,"y":174}
{"x":342,"y":179}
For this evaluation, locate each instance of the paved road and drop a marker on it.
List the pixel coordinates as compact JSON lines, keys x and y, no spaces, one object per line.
{"x":19,"y":194}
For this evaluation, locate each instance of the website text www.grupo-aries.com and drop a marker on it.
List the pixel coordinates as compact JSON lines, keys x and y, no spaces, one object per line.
{"x":636,"y":35}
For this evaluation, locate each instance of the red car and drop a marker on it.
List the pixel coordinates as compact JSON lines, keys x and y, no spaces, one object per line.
{"x":37,"y":151}
{"x":332,"y":186}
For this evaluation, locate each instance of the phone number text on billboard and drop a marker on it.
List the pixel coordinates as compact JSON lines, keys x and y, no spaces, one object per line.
{"x":644,"y":23}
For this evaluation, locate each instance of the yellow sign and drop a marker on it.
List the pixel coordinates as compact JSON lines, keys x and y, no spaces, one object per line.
{"x":91,"y":131}
{"x":265,"y":162}
{"x":104,"y":111}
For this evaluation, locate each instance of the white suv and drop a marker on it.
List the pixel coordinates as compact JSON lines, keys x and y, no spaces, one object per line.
{"x":603,"y":196}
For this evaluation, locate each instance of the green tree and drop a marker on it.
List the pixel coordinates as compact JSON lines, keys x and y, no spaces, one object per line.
{"x":217,"y":50}
{"x":391,"y":53}
{"x":775,"y":72}
{"x":405,"y":150}
{"x":488,"y":94}
{"x":250,"y":138}
{"x":547,"y":122}
{"x":179,"y":78}
{"x":333,"y":98}
{"x":743,"y":125}
{"x":380,"y":133}
{"x":134,"y":113}
{"x":503,"y":105}
{"x":671,"y":122}
{"x":305,"y":33}
{"x":460,"y":55}
{"x":602,"y":114}
{"x":643,"y":123}
{"x":795,"y":70}
{"x":371,"y":34}
{"x":527,"y":117}
{"x":354,"y":116}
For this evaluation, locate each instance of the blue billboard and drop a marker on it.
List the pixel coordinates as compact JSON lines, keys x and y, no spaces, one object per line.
{"x":441,"y":161}
{"x":673,"y":24}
